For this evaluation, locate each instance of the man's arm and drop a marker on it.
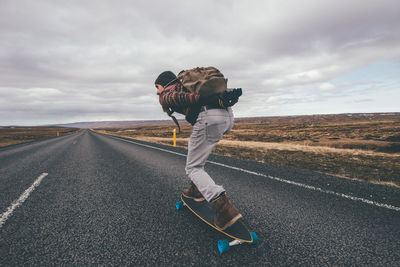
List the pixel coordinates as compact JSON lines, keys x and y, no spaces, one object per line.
{"x":178,"y":99}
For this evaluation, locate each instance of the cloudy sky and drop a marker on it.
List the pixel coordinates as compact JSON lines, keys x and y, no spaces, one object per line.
{"x":69,"y":61}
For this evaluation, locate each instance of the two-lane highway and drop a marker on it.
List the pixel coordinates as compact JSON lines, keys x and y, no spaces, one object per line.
{"x":91,"y":199}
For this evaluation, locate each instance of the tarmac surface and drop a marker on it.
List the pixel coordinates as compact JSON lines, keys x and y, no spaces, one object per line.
{"x":90,"y":199}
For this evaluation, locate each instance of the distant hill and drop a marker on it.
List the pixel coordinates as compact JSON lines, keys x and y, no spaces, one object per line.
{"x":271,"y":119}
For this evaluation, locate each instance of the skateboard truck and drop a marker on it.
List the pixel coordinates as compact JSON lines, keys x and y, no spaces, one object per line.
{"x":224,"y":245}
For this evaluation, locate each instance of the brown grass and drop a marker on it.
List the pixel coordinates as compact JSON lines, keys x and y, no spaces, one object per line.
{"x":17,"y":135}
{"x":367,"y":150}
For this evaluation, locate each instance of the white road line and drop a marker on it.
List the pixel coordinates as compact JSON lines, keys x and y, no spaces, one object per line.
{"x":310,"y":187}
{"x":20,"y":200}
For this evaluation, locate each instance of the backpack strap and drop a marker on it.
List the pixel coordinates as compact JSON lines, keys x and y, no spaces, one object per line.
{"x":169,"y":111}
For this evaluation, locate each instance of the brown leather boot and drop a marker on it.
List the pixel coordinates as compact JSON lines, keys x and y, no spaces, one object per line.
{"x":193,"y":193}
{"x":226,"y":214}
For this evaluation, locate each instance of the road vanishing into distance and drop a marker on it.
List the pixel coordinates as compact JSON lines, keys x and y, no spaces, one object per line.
{"x":91,"y":199}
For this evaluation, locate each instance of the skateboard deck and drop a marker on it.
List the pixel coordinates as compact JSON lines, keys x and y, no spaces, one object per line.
{"x":205,"y":211}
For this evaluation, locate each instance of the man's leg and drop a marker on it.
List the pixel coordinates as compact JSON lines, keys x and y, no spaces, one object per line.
{"x":206,"y":134}
{"x":208,"y":130}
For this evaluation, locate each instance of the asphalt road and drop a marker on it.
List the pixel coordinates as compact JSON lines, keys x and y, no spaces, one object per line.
{"x":99,"y":200}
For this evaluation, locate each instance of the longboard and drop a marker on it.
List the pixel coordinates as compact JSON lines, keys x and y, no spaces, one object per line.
{"x":205,"y":211}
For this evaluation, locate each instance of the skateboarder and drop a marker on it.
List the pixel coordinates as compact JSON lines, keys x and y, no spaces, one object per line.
{"x":211,"y":117}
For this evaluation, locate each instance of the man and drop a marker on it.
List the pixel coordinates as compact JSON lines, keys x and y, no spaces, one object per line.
{"x":211,"y":117}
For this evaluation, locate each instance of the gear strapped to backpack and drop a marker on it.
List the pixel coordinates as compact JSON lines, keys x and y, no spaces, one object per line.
{"x":202,"y":81}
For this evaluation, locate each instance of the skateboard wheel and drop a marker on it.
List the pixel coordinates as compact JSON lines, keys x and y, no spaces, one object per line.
{"x":223,"y":246}
{"x":179,"y":205}
{"x":255,"y":238}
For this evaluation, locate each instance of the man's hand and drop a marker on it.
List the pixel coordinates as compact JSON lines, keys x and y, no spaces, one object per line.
{"x":222,"y":100}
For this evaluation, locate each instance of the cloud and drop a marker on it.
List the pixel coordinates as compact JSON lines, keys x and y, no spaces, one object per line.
{"x":327,"y":86}
{"x":95,"y":60}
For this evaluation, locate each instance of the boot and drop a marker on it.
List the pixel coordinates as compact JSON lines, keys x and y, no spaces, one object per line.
{"x":226,"y":214}
{"x":193,"y":193}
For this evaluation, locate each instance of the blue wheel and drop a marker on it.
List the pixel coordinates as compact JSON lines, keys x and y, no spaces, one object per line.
{"x":179,"y":205}
{"x":223,"y":246}
{"x":255,"y":238}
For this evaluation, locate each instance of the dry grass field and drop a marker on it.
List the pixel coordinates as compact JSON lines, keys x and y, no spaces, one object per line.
{"x":359,"y":148}
{"x":16,"y":135}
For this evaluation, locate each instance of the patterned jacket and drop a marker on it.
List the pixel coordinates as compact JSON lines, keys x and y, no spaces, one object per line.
{"x":182,"y":101}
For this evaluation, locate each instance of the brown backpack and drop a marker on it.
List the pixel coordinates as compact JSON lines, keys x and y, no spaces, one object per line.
{"x":203,"y":80}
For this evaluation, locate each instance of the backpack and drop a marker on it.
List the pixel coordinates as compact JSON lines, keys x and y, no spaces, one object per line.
{"x":203,"y":80}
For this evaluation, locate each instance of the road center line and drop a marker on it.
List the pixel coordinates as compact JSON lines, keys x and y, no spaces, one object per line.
{"x":5,"y":215}
{"x":310,"y":187}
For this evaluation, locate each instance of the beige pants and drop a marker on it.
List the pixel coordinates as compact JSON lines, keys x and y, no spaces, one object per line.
{"x":209,"y":128}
